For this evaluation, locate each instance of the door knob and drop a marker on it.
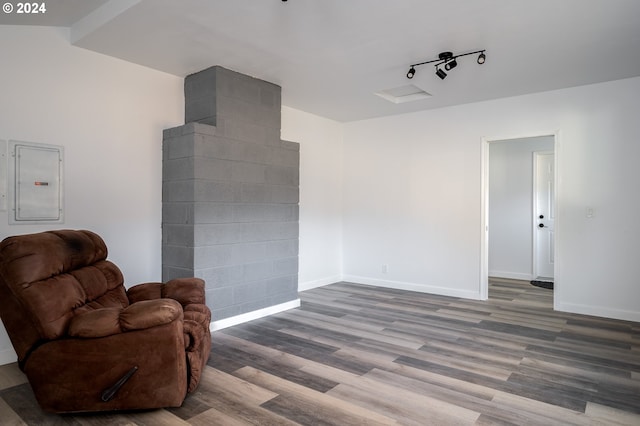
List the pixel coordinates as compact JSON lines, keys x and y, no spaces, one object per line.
{"x":541,"y":225}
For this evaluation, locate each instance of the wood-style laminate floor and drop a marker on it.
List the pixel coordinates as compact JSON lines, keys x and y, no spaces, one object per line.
{"x":360,"y":355}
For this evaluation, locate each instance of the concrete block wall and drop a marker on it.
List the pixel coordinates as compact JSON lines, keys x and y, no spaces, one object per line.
{"x":231,"y":193}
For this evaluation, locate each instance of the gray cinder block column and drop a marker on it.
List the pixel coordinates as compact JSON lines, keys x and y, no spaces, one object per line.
{"x":230,"y":194}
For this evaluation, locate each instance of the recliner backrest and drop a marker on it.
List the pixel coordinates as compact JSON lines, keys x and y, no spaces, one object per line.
{"x":47,"y":278}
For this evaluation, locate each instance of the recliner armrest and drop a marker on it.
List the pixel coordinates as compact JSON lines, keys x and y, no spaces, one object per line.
{"x":137,"y":316}
{"x":185,"y":290}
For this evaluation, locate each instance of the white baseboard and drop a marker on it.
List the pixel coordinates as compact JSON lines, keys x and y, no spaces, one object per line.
{"x":421,"y":288}
{"x":7,"y":356}
{"x":511,"y":275}
{"x":598,"y":311}
{"x":308,"y":285}
{"x":250,"y":316}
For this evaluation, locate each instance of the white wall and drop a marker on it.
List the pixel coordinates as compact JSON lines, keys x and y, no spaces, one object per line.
{"x":109,"y":116}
{"x":411,"y":202}
{"x":320,"y":195}
{"x":412,"y":191}
{"x":511,"y":205}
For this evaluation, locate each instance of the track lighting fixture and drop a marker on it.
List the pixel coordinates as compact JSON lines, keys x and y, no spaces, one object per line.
{"x":448,"y":60}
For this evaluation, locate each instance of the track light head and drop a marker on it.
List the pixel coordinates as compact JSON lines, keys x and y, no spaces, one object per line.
{"x":411,"y":73}
{"x":481,"y":58}
{"x":451,"y":64}
{"x":441,"y":73}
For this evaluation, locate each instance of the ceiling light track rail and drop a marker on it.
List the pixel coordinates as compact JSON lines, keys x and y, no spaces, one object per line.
{"x":448,"y":59}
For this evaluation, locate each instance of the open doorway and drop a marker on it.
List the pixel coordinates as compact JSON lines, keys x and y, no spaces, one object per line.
{"x":518,"y":209}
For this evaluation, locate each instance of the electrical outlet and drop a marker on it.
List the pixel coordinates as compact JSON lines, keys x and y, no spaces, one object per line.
{"x":385,"y":268}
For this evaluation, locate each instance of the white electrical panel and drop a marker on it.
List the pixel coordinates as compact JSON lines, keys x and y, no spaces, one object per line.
{"x":35,"y":175}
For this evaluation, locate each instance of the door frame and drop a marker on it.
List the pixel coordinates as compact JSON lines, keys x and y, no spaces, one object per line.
{"x":484,"y":208}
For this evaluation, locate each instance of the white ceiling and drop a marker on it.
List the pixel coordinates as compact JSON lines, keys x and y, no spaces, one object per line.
{"x":331,"y":56}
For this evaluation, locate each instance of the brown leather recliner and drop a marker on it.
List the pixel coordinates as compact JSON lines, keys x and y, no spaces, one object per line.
{"x":88,"y":344}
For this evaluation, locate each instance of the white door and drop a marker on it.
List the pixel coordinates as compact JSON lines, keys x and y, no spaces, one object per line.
{"x":544,"y":213}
